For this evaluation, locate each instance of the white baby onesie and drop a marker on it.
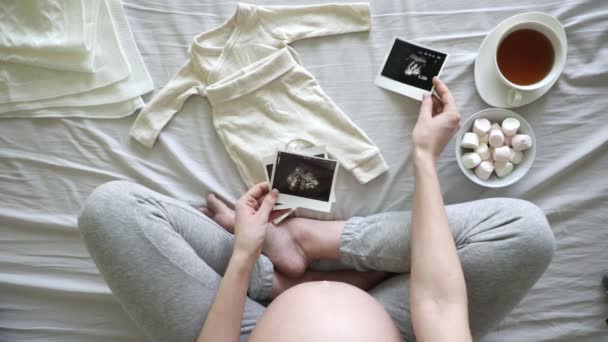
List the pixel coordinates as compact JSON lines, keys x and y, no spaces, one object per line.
{"x":261,"y":97}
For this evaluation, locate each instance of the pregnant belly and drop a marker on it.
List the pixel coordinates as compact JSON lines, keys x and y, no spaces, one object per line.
{"x":325,"y":311}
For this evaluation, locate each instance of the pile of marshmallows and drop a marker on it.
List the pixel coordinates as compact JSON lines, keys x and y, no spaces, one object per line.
{"x":504,"y":150}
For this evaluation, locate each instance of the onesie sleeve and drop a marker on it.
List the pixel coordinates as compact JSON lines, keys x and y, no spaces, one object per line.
{"x":168,"y":101}
{"x":291,"y":23}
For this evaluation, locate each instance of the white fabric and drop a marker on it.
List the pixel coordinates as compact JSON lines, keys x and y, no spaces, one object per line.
{"x":91,"y":103}
{"x":251,"y":34}
{"x":52,"y":34}
{"x":103,"y":111}
{"x":257,"y":89}
{"x":42,"y":24}
{"x":22,"y":82}
{"x":51,"y":291}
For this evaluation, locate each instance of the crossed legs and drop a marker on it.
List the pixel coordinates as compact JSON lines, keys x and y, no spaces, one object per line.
{"x":163,"y":259}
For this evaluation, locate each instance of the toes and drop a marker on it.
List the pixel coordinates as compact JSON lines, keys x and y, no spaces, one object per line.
{"x":205,"y":211}
{"x":215,"y":204}
{"x":212,"y":202}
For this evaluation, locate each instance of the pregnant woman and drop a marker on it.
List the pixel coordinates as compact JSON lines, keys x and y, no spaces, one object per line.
{"x":435,"y":273}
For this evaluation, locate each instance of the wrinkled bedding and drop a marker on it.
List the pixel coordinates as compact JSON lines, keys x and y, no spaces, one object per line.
{"x":50,"y":290}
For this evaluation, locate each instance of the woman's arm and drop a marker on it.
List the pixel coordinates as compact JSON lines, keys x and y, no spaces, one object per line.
{"x":438,"y":295}
{"x":223,"y":321}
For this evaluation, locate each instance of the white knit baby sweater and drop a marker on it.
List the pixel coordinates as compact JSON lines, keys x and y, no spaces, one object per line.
{"x":261,"y":96}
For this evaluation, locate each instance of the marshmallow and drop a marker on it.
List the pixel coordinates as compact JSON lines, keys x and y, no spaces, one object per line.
{"x":470,"y":160}
{"x":502,"y":154}
{"x":484,"y":169}
{"x":484,"y":151}
{"x":470,"y":140}
{"x":502,"y":169}
{"x":510,"y":126}
{"x":483,"y":138}
{"x":495,"y":125}
{"x":516,"y":157}
{"x":507,"y":141}
{"x":521,"y":142}
{"x":481,"y":126}
{"x":496,"y":138}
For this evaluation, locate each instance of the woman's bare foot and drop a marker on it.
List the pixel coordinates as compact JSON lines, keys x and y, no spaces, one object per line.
{"x":282,"y":244}
{"x":219,"y":212}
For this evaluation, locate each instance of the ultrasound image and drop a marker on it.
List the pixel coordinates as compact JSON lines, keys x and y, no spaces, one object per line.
{"x":304,"y":176}
{"x":413,"y":65}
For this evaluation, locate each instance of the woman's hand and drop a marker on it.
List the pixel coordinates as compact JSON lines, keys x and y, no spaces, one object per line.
{"x":224,"y":318}
{"x":437,"y":123}
{"x":252,"y":220}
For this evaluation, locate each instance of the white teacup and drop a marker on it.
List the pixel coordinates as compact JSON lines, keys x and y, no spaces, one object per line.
{"x":515,"y":90}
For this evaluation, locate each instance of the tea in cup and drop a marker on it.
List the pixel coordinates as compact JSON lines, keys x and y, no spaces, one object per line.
{"x":529,"y":55}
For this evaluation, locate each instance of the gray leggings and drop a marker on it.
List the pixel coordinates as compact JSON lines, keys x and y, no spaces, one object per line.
{"x":163,"y":260}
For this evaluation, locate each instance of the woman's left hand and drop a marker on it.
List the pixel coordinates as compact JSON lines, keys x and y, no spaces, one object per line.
{"x":252,"y":219}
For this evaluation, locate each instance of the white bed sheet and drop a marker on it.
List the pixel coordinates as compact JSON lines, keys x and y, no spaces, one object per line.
{"x":50,"y":289}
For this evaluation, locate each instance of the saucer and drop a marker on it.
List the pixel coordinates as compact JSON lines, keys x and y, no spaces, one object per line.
{"x":491,"y":89}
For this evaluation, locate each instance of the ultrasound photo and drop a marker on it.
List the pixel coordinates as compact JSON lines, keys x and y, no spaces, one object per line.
{"x":270,"y":166}
{"x":303,"y":176}
{"x":413,"y":65}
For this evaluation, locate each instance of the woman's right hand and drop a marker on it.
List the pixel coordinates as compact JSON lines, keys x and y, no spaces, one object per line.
{"x":252,"y":220}
{"x":437,"y":123}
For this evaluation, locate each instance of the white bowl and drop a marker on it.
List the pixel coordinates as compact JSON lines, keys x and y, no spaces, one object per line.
{"x":519,"y":170}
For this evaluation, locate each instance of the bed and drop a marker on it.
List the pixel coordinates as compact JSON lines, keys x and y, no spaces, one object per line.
{"x":50,"y":289}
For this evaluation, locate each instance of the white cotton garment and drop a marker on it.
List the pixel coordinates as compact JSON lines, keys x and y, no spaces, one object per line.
{"x":22,"y":83}
{"x":261,"y":97}
{"x":90,"y":103}
{"x":54,"y":34}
